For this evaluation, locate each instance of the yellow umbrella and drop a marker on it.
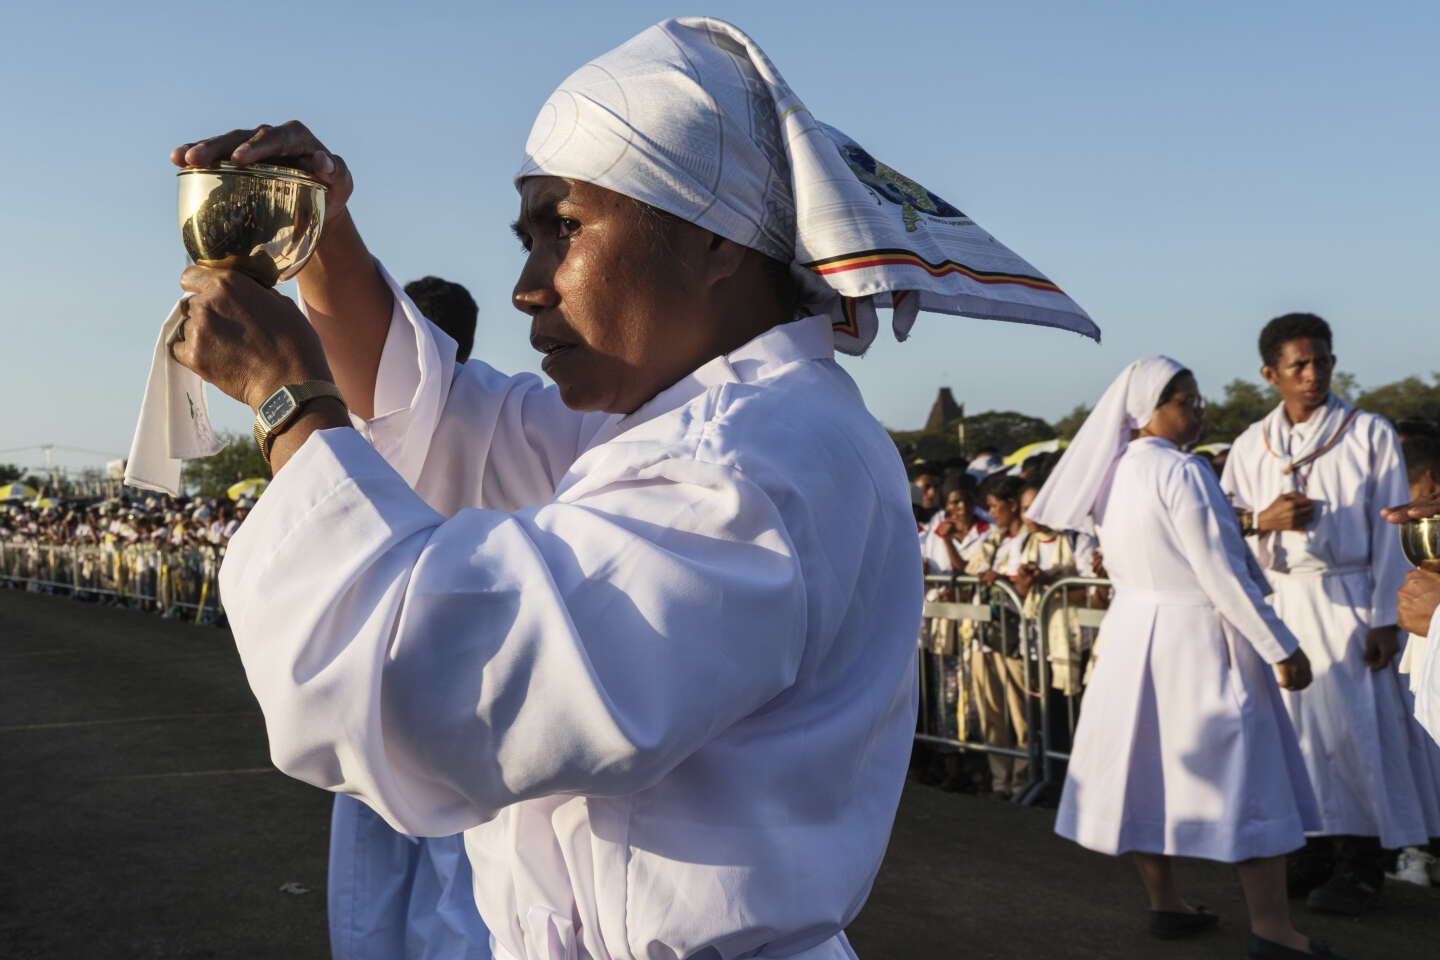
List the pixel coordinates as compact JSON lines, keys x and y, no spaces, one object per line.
{"x":251,"y":488}
{"x":1030,"y":449}
{"x":17,"y":491}
{"x":40,"y":503}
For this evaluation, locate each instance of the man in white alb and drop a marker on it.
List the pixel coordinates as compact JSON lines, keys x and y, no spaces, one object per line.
{"x":667,"y":698}
{"x":1316,"y":472}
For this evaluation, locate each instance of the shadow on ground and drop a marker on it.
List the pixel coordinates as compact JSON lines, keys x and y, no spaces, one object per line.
{"x":142,"y":819}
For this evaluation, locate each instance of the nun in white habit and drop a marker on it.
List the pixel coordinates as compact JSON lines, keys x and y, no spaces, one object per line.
{"x":611,"y":629}
{"x":1183,"y":746}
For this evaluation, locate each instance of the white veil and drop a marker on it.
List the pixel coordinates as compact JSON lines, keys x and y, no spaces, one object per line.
{"x":1067,"y":500}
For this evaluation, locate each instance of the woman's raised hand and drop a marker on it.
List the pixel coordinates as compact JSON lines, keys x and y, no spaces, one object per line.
{"x":291,"y":142}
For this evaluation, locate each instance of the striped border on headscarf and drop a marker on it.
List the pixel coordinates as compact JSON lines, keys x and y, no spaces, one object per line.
{"x":885,"y":257}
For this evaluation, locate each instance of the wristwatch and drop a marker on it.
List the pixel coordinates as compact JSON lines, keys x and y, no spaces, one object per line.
{"x":283,"y":406}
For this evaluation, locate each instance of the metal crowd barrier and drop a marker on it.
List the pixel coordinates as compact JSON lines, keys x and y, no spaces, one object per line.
{"x":178,"y":582}
{"x":1066,"y":631}
{"x":989,"y":674}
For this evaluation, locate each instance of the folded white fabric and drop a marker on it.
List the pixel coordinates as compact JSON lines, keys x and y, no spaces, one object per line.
{"x":692,"y":117}
{"x":174,"y":421}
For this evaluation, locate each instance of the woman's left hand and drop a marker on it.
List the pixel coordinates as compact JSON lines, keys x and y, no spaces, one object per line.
{"x":245,"y":338}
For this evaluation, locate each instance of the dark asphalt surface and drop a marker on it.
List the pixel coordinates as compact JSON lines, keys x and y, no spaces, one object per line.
{"x":142,"y":819}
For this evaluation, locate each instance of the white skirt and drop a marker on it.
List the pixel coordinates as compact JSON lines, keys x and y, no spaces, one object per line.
{"x":1183,"y":745}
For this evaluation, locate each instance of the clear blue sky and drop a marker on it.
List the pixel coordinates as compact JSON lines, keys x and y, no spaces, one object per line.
{"x":1185,"y":171}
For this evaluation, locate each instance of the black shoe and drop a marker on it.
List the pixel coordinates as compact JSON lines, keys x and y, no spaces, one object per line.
{"x":1343,"y":893}
{"x":1309,"y":867}
{"x":1261,"y":949}
{"x":1176,"y":925}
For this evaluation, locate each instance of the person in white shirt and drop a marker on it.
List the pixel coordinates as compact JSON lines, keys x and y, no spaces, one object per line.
{"x":1183,"y":747}
{"x":610,"y":630}
{"x":997,"y":660}
{"x":1316,"y":473}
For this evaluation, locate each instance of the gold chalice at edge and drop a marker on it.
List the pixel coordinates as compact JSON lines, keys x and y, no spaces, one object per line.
{"x":262,"y":219}
{"x":1420,"y":540}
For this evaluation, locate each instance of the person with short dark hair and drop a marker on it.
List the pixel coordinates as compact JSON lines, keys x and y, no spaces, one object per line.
{"x":450,"y":307}
{"x":1316,"y":472}
{"x":997,"y":666}
{"x":925,"y":497}
{"x":1422,"y":464}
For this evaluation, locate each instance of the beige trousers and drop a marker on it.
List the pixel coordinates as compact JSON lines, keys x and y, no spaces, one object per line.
{"x":1000,"y":692}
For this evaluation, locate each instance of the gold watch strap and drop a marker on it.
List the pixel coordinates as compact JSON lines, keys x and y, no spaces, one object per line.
{"x":302,"y":393}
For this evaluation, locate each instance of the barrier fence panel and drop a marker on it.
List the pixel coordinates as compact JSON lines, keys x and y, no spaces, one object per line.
{"x":991,"y":679}
{"x":977,"y":679}
{"x":1066,"y":625}
{"x":178,"y":581}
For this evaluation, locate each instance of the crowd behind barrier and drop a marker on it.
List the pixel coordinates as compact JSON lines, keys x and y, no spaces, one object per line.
{"x":1002,"y":669}
{"x":160,"y":554}
{"x":1026,"y":715}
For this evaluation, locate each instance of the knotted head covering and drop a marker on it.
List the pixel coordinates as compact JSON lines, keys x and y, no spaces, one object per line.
{"x":1067,"y":501}
{"x":691,"y":116}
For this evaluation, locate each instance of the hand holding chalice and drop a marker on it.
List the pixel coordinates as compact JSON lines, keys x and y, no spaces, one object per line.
{"x":252,"y":206}
{"x":256,"y":200}
{"x":1419,"y":524}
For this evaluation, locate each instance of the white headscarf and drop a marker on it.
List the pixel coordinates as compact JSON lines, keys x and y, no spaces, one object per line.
{"x":1067,"y":501}
{"x":691,"y":117}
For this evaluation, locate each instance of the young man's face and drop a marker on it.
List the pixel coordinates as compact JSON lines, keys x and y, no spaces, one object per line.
{"x":958,"y":506}
{"x":929,"y":490}
{"x":1301,"y":373}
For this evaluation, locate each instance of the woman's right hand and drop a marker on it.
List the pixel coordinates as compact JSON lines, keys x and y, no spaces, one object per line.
{"x":293,"y":142}
{"x":1293,"y":673}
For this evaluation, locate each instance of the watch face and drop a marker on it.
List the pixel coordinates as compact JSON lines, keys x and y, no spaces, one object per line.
{"x":277,"y":408}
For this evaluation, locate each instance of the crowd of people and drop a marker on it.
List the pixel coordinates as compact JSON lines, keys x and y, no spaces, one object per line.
{"x":156,"y":553}
{"x":1271,"y":552}
{"x":170,"y":523}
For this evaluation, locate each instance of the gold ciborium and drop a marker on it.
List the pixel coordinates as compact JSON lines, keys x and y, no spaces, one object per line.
{"x":1420,"y":539}
{"x":261,"y":219}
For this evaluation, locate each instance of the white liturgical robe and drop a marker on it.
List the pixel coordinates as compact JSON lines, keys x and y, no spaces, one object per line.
{"x":667,"y":689}
{"x":1368,"y":759}
{"x":1184,"y":746}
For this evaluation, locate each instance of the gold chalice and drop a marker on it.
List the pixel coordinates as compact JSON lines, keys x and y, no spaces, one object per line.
{"x":1420,"y":539}
{"x":262,"y":219}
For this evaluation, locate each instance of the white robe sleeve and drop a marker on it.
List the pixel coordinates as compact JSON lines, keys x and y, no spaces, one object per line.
{"x":426,"y":403}
{"x":1386,"y":486}
{"x":1211,"y":541}
{"x":1425,"y":679}
{"x":442,"y":669}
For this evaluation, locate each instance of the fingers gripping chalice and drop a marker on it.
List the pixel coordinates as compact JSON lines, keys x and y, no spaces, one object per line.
{"x":262,"y":219}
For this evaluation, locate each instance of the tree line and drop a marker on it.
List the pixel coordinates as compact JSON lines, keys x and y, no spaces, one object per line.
{"x":1242,"y":403}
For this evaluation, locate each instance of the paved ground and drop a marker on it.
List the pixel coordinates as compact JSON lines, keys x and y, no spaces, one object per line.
{"x":139,"y":818}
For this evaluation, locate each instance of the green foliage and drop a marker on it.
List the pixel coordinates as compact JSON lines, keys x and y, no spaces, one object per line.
{"x":1410,"y":397}
{"x":1344,"y":386}
{"x":932,"y":445}
{"x":1067,"y":426}
{"x":239,"y":460}
{"x":1005,"y":430}
{"x":11,"y":473}
{"x":1244,"y":403}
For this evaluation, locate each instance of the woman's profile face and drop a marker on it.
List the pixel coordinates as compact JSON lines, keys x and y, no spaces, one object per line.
{"x":1181,"y":418}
